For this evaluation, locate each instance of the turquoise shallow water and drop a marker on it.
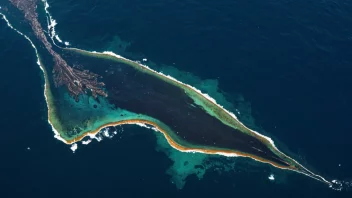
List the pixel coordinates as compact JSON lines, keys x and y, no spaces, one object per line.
{"x":291,"y":66}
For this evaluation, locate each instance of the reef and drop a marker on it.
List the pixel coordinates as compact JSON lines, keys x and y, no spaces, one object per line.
{"x":95,"y":90}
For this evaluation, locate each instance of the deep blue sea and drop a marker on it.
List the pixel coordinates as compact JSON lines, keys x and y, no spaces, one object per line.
{"x":290,"y":61}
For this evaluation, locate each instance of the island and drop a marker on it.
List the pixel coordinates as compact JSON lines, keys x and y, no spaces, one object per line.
{"x":87,"y":91}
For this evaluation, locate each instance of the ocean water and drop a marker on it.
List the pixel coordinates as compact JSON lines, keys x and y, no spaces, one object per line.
{"x":288,"y":63}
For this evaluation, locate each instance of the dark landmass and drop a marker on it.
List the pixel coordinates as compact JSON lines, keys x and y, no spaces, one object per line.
{"x":144,"y":94}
